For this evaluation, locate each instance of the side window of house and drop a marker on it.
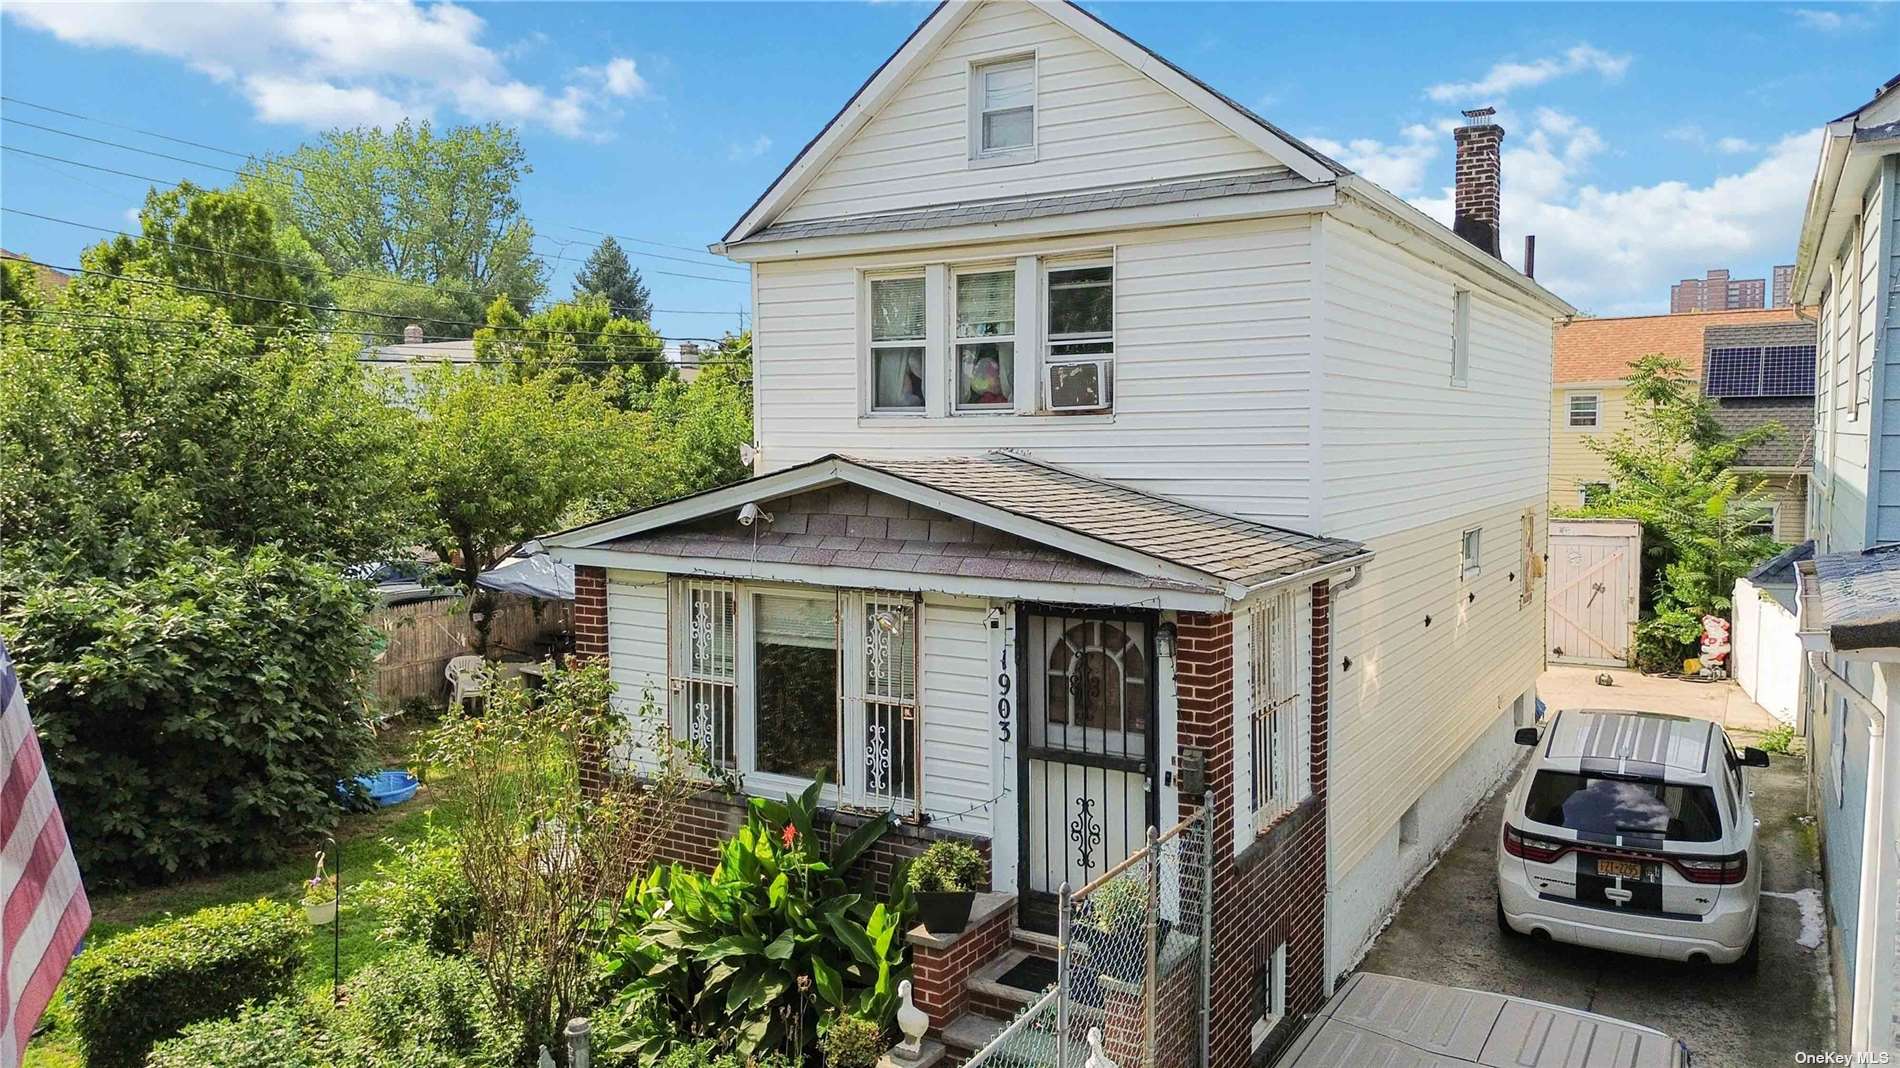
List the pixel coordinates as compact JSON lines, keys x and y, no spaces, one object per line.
{"x":985,"y":354}
{"x":1269,"y":993}
{"x":1460,"y":337}
{"x":897,"y":344}
{"x":1081,"y":338}
{"x":1279,"y":757}
{"x":1584,"y":411}
{"x":1589,"y":493}
{"x":1470,"y":552}
{"x":1003,"y":109}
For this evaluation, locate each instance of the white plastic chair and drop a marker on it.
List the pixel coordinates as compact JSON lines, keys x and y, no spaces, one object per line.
{"x":465,"y":678}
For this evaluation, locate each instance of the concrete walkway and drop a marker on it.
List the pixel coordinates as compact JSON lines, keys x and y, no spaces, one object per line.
{"x":1724,"y":702}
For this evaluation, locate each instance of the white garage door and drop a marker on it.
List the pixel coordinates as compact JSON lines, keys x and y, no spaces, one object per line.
{"x":1594,"y":567}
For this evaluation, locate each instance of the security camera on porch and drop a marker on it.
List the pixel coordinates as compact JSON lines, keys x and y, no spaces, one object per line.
{"x":751,"y":514}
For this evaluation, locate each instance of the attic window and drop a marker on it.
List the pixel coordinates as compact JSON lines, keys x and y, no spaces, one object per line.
{"x":1003,"y":109}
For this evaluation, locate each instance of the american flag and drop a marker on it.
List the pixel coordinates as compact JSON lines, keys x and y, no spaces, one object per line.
{"x":43,"y":908}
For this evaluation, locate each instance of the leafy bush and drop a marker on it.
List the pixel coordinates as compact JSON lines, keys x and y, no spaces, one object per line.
{"x":423,"y":896}
{"x":1119,"y":906}
{"x":752,"y":954}
{"x":949,"y":868}
{"x":1777,"y":739}
{"x":419,"y":1010}
{"x":148,"y":984}
{"x":197,"y":716}
{"x":852,"y":1042}
{"x":283,"y":1034}
{"x":707,"y":1055}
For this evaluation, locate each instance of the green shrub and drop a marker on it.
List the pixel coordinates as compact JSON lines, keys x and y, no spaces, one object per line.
{"x":1777,"y":739}
{"x":148,"y":984}
{"x":197,"y":716}
{"x":708,"y":1055}
{"x":283,"y":1034}
{"x":852,"y":1042}
{"x":424,"y":898}
{"x":418,"y":1010}
{"x":949,"y":868}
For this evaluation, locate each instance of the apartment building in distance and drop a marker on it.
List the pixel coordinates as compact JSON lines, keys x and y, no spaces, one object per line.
{"x":1719,"y":292}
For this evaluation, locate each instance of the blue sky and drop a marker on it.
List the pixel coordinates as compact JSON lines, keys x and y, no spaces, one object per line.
{"x":1644,"y":142}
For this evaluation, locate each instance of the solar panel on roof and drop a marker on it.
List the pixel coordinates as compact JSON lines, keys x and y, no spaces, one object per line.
{"x":1787,"y":371}
{"x":1735,"y":372}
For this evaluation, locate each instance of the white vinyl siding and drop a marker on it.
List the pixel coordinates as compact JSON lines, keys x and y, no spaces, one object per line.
{"x":636,"y":652}
{"x":1212,"y":388}
{"x":1099,"y":122}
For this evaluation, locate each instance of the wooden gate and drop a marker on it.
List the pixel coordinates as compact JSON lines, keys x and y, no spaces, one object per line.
{"x":1595,"y":568}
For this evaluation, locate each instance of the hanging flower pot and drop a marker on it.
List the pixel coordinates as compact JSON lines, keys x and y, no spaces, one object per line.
{"x":319,"y":895}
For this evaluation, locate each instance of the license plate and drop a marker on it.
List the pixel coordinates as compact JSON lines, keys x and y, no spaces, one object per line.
{"x":1619,"y":869}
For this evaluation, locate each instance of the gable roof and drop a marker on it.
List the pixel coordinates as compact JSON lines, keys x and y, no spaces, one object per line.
{"x":1141,"y":533}
{"x":891,"y":75}
{"x":1602,"y":350}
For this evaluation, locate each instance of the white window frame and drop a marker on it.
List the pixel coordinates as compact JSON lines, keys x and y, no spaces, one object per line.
{"x":1470,"y":552}
{"x":853,"y":691}
{"x":953,"y":343}
{"x":870,"y":344}
{"x":1583,"y":490}
{"x":1274,"y":968}
{"x":1596,"y":411}
{"x":1278,"y":761}
{"x":1051,"y":358}
{"x":874,"y":699}
{"x":978,"y":155}
{"x":1460,"y":337}
{"x":696,"y":628}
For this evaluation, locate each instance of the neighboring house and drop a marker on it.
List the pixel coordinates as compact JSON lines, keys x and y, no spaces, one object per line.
{"x":415,"y":351}
{"x":1849,"y":608}
{"x":1755,"y":365}
{"x":1112,"y":443}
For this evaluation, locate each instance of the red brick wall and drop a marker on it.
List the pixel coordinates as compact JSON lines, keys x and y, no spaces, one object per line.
{"x":940,"y":977}
{"x":590,"y":611}
{"x":1276,"y":890}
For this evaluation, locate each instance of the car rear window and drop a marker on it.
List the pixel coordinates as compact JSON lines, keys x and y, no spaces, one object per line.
{"x":1603,"y":804}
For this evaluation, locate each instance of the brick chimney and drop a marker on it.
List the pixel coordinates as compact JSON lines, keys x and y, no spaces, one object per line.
{"x":412,"y":334}
{"x":1475,"y":212}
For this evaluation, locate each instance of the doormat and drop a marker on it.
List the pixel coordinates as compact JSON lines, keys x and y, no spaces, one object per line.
{"x":1034,"y":974}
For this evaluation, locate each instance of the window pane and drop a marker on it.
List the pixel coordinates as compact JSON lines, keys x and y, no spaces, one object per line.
{"x":898,"y":377}
{"x":1009,"y":86}
{"x":986,"y":304}
{"x":897,"y":309}
{"x":1081,"y":301}
{"x":797,"y":677}
{"x":1008,"y":129}
{"x":986,"y":373}
{"x":1581,"y":801}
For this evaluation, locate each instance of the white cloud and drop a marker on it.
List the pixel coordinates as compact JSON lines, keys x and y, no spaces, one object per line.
{"x":344,"y":64}
{"x":1691,"y":134}
{"x":758,"y":146}
{"x":1832,"y":20}
{"x":1399,"y":166}
{"x":1508,"y":76}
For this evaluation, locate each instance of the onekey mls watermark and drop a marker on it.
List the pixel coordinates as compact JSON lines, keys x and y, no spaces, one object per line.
{"x":1836,"y":1057}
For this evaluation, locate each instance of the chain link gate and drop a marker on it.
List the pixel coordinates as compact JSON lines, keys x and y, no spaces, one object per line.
{"x":1133,"y":962}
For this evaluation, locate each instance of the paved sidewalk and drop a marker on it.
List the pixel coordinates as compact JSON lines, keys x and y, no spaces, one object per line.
{"x":1724,"y":702}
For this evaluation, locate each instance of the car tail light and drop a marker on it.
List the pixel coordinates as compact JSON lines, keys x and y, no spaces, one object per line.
{"x":1718,"y":871}
{"x":1530,"y":847}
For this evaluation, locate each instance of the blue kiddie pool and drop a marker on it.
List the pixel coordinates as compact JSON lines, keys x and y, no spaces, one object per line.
{"x":385,"y":788}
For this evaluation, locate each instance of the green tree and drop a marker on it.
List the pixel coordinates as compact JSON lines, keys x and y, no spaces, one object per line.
{"x":415,"y":206}
{"x":19,"y":286}
{"x":117,"y":433}
{"x":1673,"y":469}
{"x":607,"y":274}
{"x":582,"y":337}
{"x":226,"y":246}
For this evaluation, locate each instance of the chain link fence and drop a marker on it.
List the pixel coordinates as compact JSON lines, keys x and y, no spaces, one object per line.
{"x":1133,"y":958}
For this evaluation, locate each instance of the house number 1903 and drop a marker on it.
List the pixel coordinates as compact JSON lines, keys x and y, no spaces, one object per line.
{"x":1003,"y":709}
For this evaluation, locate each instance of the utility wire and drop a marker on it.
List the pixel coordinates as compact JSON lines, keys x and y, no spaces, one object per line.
{"x":251,"y":156}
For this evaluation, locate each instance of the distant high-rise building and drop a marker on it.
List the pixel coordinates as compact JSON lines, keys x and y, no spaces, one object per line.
{"x":1784,"y":285}
{"x":1717,"y":292}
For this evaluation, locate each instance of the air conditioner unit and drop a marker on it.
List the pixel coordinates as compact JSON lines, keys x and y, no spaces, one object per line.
{"x":1082,"y":386}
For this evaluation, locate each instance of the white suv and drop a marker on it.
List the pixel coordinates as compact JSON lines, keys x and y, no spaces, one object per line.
{"x":1634,"y":832}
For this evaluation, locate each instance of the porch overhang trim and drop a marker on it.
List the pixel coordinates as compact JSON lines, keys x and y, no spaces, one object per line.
{"x":831,"y":576}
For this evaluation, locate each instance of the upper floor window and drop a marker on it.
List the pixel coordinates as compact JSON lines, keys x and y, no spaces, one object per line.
{"x":1460,"y":336}
{"x":897,"y":344}
{"x":1584,"y":410}
{"x":1081,"y":338}
{"x":1003,"y":108}
{"x":985,"y":353}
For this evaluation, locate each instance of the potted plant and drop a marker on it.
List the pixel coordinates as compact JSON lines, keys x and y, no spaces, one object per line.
{"x":946,"y":880}
{"x":319,"y":895}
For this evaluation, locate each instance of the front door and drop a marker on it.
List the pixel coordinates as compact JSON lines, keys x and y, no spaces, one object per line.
{"x":1088,"y":748}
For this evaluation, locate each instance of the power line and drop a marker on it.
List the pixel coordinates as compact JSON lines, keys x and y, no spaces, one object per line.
{"x":300,"y":169}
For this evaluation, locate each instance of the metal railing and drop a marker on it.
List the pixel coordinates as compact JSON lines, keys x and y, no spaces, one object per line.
{"x":1134,"y":950}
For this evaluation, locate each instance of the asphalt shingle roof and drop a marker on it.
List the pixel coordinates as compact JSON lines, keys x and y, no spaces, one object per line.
{"x":1601,"y":350}
{"x":1860,"y":598}
{"x":1011,"y":209}
{"x":1786,"y":449}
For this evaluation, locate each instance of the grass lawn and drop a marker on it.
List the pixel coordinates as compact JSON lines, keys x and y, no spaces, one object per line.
{"x":364,"y":840}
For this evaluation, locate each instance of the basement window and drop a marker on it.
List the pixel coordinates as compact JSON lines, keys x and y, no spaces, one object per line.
{"x":1470,"y":552}
{"x":1269,"y":996}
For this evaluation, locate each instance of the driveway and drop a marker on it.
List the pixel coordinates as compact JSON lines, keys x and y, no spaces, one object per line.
{"x":1446,"y":930}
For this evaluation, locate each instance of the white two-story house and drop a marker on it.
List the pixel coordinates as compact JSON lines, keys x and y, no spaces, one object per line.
{"x":1112,"y":446}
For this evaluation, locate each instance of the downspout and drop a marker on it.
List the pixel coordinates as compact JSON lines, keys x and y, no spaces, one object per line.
{"x":1329,"y":980}
{"x":1867,"y":910}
